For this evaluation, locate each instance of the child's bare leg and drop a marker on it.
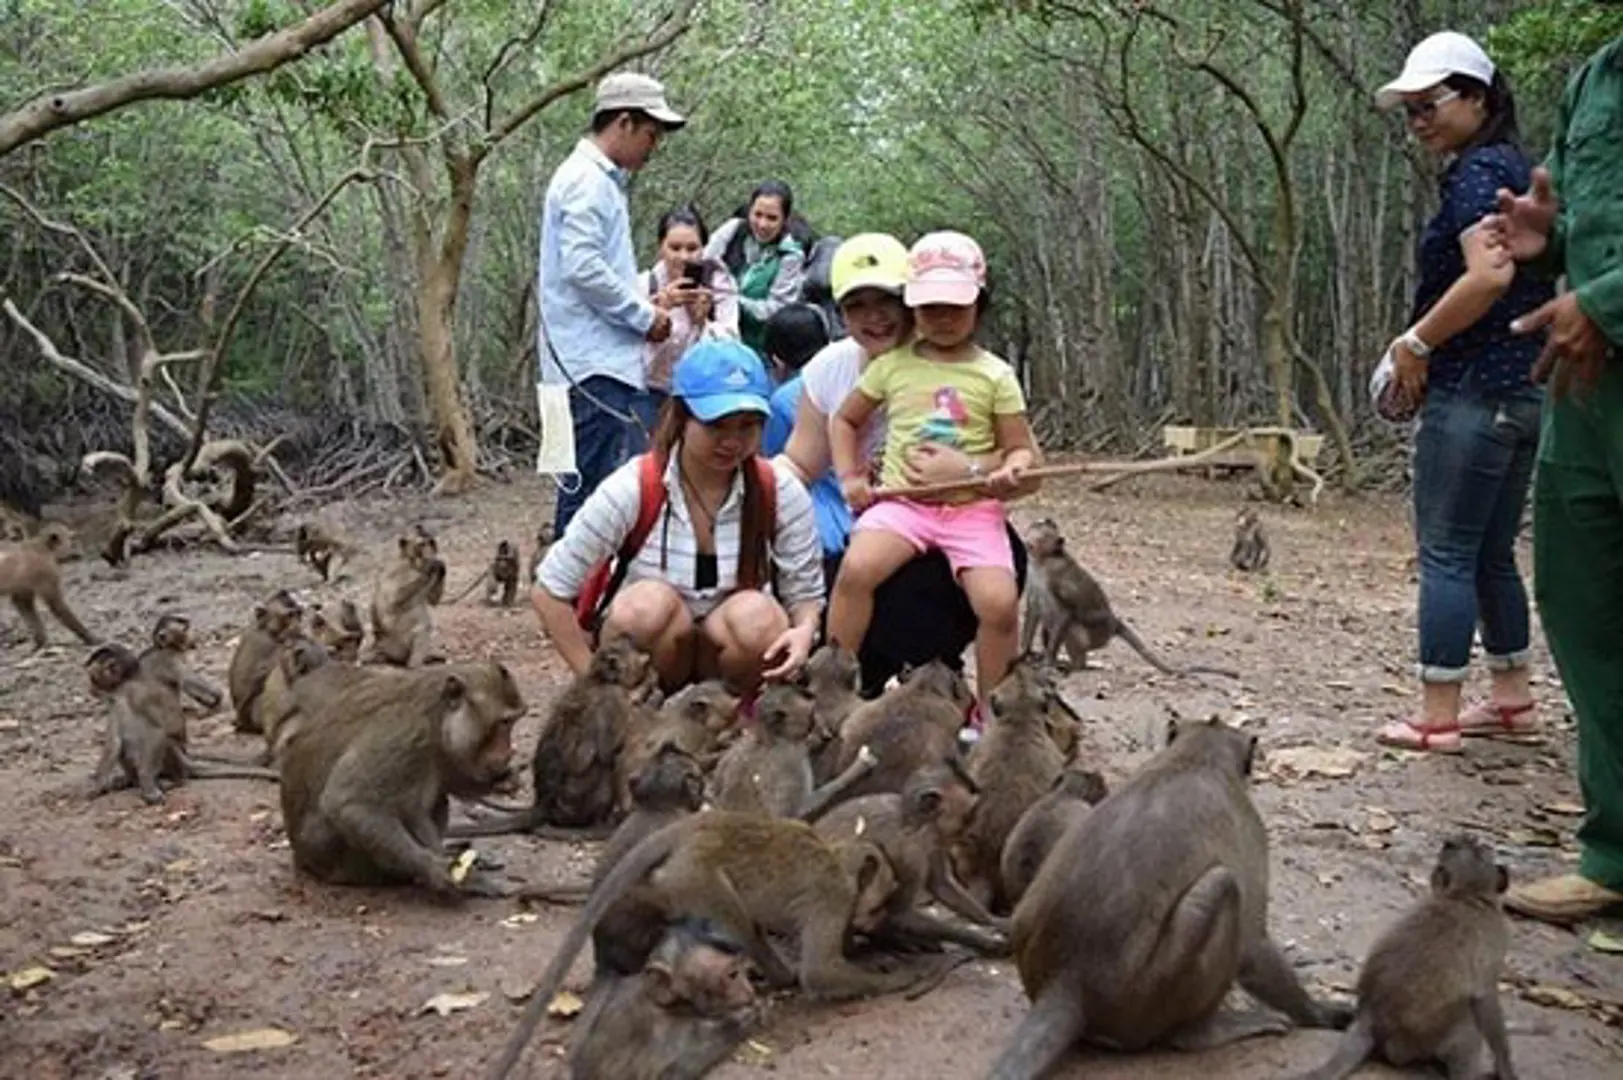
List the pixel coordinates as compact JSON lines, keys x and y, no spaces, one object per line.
{"x":995,"y":599}
{"x":871,"y":557}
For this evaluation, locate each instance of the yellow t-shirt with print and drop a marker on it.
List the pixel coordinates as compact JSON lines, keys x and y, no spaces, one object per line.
{"x":952,"y":403}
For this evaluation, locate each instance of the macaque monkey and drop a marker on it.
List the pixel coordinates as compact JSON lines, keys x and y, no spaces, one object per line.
{"x":325,"y":551}
{"x":413,"y":582}
{"x":30,"y":571}
{"x":1250,"y":551}
{"x":164,"y":661}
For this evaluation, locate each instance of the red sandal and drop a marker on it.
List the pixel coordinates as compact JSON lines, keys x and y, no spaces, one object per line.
{"x":1407,"y":735}
{"x":1485,"y":719}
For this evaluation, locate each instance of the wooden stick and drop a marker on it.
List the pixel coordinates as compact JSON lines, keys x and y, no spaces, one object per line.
{"x":971,"y":483}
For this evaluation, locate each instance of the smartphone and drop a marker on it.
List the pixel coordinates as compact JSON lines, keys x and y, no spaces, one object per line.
{"x":693,"y":271}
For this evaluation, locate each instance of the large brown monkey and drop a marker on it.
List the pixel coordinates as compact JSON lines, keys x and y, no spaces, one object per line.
{"x":29,"y":572}
{"x":1149,"y":910}
{"x":366,"y":785}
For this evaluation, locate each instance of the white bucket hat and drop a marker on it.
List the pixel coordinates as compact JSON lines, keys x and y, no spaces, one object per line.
{"x":1433,"y":60}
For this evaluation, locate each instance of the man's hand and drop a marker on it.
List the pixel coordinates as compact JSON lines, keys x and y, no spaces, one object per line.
{"x":794,"y":645}
{"x":1486,"y":255}
{"x":1409,"y":373}
{"x":660,"y":328}
{"x":1576,"y":348}
{"x":1523,"y":222}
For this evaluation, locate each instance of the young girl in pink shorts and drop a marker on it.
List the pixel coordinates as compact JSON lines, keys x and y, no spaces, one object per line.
{"x":939,"y":388}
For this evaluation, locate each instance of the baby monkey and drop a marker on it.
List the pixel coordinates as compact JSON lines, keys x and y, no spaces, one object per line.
{"x":1250,"y":551}
{"x":1429,"y":989}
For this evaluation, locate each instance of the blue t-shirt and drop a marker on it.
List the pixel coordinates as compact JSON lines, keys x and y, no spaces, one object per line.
{"x":834,"y":519}
{"x":1494,"y":360}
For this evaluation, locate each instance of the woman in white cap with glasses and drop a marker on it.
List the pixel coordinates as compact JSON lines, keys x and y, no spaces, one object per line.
{"x":1462,"y":372}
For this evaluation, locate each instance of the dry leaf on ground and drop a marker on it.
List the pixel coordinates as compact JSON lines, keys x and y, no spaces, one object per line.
{"x":1333,"y":762}
{"x":565,"y":1004}
{"x":446,"y":1004}
{"x":257,"y":1039}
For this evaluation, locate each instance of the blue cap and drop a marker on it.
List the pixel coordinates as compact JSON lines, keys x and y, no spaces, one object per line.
{"x":718,"y":376}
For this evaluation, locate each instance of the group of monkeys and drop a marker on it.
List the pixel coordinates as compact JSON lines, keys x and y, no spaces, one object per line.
{"x":820,"y":818}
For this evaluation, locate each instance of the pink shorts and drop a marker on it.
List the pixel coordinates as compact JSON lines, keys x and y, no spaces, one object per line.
{"x":972,"y":535}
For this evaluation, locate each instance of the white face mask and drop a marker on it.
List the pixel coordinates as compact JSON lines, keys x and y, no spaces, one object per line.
{"x":557,"y":453}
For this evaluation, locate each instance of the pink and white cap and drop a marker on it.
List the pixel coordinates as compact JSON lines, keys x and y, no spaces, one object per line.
{"x":944,"y":268}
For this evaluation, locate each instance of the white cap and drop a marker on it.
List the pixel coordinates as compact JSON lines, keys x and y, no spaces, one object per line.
{"x":1434,"y":60}
{"x":632,"y":90}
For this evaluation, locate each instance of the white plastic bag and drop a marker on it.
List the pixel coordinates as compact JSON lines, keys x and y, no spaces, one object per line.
{"x":1383,"y":393}
{"x":556,"y":455}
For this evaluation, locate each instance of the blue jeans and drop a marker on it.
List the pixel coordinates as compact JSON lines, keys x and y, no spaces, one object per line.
{"x":603,"y":442}
{"x":1473,"y":459}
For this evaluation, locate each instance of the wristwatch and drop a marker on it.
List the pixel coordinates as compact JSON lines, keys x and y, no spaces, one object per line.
{"x":1412,"y":342}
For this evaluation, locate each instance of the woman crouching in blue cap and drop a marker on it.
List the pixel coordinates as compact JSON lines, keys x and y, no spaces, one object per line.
{"x":701,"y":551}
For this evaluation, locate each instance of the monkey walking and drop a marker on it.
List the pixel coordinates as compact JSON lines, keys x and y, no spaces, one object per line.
{"x":1429,"y":990}
{"x":1070,"y":606}
{"x":676,"y":1018}
{"x":146,"y":731}
{"x":30,"y":571}
{"x":1149,"y":909}
{"x":1250,"y":551}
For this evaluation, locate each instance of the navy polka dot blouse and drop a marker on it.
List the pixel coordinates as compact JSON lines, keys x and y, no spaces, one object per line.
{"x":1486,"y":356}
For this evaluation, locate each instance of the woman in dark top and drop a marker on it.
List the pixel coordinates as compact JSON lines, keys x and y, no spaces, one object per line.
{"x":1478,"y":408}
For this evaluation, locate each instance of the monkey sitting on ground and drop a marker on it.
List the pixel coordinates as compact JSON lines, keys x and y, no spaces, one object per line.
{"x":831,"y":675}
{"x":341,"y":637}
{"x":1149,"y":910}
{"x":500,"y":577}
{"x":1250,"y":551}
{"x":678,"y":1018}
{"x":751,"y":875}
{"x":1012,"y":765}
{"x":907,"y":727}
{"x":1429,"y":990}
{"x":325,"y":551}
{"x":164,"y":661}
{"x":277,"y":621}
{"x":574,"y":769}
{"x":413,"y":582}
{"x":1072,"y":610}
{"x":30,"y":571}
{"x":916,"y":830}
{"x":769,"y":769}
{"x":1075,"y":791}
{"x":366,"y":785}
{"x":146,"y":731}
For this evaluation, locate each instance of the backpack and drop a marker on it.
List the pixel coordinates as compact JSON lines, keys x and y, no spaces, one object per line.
{"x":607,"y":577}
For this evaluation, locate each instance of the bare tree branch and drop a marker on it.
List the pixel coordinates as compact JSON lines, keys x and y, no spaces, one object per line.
{"x":43,"y":115}
{"x":674,"y":27}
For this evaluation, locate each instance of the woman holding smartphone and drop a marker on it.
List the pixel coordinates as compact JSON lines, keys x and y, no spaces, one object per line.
{"x":699,"y":293}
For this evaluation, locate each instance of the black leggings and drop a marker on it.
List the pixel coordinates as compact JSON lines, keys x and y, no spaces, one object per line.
{"x":919,"y":614}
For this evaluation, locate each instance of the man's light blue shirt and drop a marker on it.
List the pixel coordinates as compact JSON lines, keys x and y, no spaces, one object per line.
{"x":591,"y":308}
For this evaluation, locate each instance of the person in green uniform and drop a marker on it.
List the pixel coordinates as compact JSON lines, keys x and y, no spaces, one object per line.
{"x":759,"y":249}
{"x":1571,"y":222}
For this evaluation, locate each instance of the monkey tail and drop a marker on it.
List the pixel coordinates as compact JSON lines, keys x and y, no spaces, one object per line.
{"x":484,"y":576}
{"x":1129,"y":635}
{"x":1355,"y":1048}
{"x":202,"y":768}
{"x":654,"y":849}
{"x":1050,"y":1028}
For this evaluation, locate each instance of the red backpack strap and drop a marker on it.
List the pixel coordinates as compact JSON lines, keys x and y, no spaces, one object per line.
{"x":607,"y":577}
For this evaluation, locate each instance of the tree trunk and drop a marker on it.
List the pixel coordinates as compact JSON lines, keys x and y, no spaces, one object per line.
{"x":438,"y":281}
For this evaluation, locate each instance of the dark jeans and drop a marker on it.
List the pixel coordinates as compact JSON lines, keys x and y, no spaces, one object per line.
{"x":1473,"y":459}
{"x":603,"y":442}
{"x":919,"y":614}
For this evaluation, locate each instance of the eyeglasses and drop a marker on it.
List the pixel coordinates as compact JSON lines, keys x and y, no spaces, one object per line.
{"x":1425,"y":110}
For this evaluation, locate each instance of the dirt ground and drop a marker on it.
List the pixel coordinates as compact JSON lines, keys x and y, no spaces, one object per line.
{"x":198,"y":928}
